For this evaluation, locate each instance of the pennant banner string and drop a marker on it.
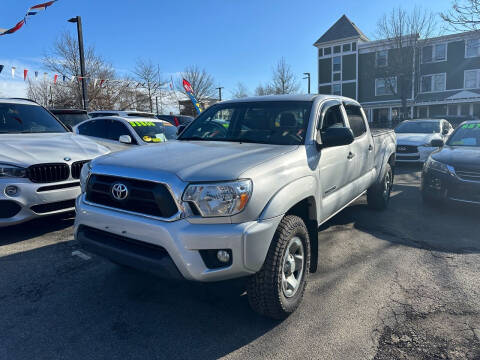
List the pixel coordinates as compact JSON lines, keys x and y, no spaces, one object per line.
{"x":30,"y":12}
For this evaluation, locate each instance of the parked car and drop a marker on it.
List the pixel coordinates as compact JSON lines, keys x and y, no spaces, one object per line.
{"x":453,"y":172}
{"x":176,"y":120}
{"x":70,"y":117}
{"x":119,"y":133}
{"x":414,"y":138}
{"x":103,"y":113}
{"x":40,"y":162}
{"x":245,"y":199}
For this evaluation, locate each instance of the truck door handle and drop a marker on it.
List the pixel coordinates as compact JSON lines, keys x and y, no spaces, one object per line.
{"x":370,"y":147}
{"x":350,"y":155}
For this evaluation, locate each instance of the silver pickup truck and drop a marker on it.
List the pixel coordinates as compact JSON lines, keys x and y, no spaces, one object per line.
{"x":240,"y":194}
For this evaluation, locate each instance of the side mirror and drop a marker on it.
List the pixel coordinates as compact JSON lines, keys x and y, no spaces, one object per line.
{"x":335,"y":137}
{"x":437,"y":143}
{"x":125,"y":139}
{"x":180,"y":129}
{"x":445,"y":132}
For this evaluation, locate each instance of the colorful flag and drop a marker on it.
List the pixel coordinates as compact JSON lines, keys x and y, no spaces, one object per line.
{"x":13,"y":29}
{"x":30,"y":12}
{"x":64,"y":77}
{"x":25,"y":72}
{"x":189,"y":90}
{"x":101,"y":82}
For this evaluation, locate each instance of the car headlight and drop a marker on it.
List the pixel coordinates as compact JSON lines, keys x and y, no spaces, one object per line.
{"x":12,"y":171}
{"x":436,"y":165}
{"x":219,"y":199}
{"x":84,"y":174}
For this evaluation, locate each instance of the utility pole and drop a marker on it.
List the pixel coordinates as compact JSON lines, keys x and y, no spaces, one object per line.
{"x":308,"y":78}
{"x":156,"y":103}
{"x":220,"y":93}
{"x":78,"y":20}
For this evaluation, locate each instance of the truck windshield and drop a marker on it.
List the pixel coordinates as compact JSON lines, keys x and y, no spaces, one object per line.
{"x":419,"y":127}
{"x":21,"y":118}
{"x":264,"y":122}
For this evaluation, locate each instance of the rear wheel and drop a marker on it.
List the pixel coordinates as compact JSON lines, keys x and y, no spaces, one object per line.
{"x":277,"y":289}
{"x":378,"y":196}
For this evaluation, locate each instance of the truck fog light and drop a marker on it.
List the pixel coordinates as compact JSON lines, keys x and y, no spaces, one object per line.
{"x":223,"y":256}
{"x":11,"y":190}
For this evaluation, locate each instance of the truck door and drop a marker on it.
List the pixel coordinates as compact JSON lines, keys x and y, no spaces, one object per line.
{"x":361,"y":155}
{"x":333,"y":164}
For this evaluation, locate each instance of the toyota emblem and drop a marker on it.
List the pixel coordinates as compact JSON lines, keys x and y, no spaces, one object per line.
{"x":119,"y":191}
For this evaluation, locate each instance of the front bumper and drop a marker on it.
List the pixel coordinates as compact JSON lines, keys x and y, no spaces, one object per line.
{"x":417,"y":157}
{"x":35,"y":200}
{"x":174,"y":247}
{"x":442,"y":186}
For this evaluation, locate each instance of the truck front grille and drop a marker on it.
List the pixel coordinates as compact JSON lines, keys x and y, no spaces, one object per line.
{"x":48,"y":173}
{"x":407,"y":149}
{"x":144,"y":197}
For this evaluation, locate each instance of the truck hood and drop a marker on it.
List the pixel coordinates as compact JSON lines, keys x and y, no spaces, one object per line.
{"x":459,"y":156}
{"x":28,"y":149}
{"x":194,"y":160}
{"x":416,"y":139}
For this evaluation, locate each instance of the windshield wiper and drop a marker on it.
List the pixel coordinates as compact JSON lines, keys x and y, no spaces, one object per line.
{"x":193,"y":138}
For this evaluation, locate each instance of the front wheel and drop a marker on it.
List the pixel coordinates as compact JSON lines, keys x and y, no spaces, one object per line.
{"x":378,"y":196}
{"x":277,"y":289}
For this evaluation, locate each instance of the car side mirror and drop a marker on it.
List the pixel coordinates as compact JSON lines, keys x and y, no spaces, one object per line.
{"x":180,"y":129}
{"x":445,"y":132}
{"x":437,"y":143}
{"x":335,"y":137}
{"x":125,"y":139}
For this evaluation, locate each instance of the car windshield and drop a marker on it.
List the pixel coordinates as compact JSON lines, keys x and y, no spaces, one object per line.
{"x":420,"y":127}
{"x":22,"y":118}
{"x":154,"y":131}
{"x":466,"y":135}
{"x":265,"y":122}
{"x":72,"y":119}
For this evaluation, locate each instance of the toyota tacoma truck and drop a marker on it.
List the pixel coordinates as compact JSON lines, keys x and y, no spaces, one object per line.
{"x":241,"y":193}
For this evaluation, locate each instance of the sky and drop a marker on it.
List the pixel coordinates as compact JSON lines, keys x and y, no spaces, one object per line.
{"x":234,"y":40}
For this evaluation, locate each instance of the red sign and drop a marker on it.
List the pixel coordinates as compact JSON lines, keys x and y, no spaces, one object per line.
{"x":187,"y":86}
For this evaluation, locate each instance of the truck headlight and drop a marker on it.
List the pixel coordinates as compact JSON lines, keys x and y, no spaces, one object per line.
{"x":12,"y":171}
{"x":84,"y":174}
{"x":436,"y":165}
{"x":219,"y":199}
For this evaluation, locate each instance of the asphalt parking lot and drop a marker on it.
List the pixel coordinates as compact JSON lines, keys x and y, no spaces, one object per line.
{"x":400,"y":284}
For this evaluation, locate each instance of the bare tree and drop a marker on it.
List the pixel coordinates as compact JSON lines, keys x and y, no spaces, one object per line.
{"x":203,"y":84}
{"x":240,"y":91}
{"x":63,"y":59}
{"x":149,"y":77}
{"x":404,"y":33}
{"x":262,"y":90}
{"x":464,"y":15}
{"x":283,"y":79}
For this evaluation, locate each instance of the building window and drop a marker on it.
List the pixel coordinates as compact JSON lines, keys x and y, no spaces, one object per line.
{"x":327,"y":51}
{"x":337,"y":76}
{"x":433,"y":83}
{"x":434,"y":53}
{"x":452,"y":110}
{"x":320,"y":52}
{"x":354,"y":46}
{"x":472,"y":79}
{"x":472,"y":48}
{"x":337,"y":89}
{"x":387,"y":86}
{"x":337,"y":49}
{"x":346,"y":47}
{"x":381,"y":58}
{"x":337,"y":63}
{"x":438,"y":110}
{"x":465,"y":109}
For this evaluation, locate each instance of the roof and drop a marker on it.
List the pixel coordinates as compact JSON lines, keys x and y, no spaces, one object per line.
{"x":18,"y":101}
{"x":68,"y":111}
{"x":424,"y":120}
{"x":453,"y":95}
{"x":344,"y":28}
{"x":309,"y":97}
{"x":126,"y":120}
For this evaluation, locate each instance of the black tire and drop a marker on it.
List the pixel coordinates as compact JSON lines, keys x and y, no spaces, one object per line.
{"x":378,"y":196}
{"x":264,"y":289}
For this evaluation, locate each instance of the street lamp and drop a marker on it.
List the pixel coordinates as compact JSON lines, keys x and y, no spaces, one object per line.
{"x":78,"y":20}
{"x":220,"y":93}
{"x":307,"y":77}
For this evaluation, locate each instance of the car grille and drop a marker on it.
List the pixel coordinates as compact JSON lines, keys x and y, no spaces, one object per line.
{"x":144,"y":197}
{"x":468,"y":174}
{"x":77,"y":168}
{"x":51,"y":207}
{"x":407,"y":149}
{"x":48,"y":173}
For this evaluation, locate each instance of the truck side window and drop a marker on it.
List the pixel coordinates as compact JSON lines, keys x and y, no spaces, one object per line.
{"x":355,"y":118}
{"x":333,"y":118}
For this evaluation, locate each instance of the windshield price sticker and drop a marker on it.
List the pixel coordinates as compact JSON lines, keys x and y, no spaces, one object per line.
{"x":142,"y":123}
{"x":471,"y":126}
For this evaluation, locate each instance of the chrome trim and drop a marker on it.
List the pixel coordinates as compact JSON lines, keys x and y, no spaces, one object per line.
{"x":454,"y":173}
{"x":465,"y":201}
